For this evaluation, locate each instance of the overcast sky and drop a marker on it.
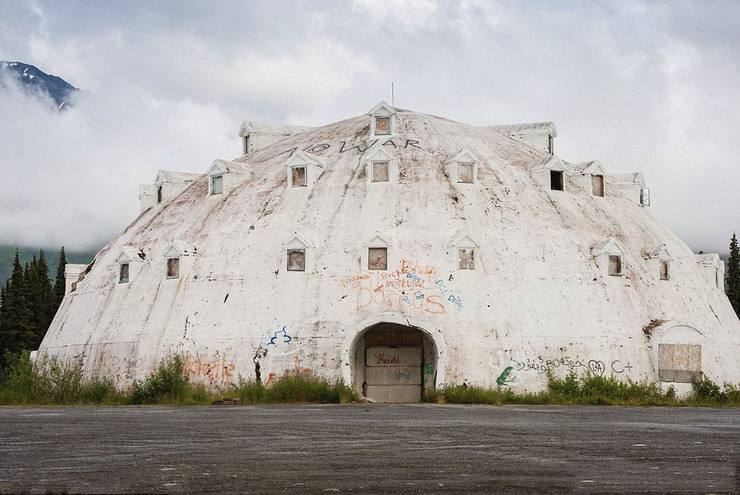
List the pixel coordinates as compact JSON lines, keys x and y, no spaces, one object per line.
{"x":652,"y":87}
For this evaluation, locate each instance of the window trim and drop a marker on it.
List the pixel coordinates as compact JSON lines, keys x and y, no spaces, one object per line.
{"x":288,"y":251}
{"x":293,"y":169}
{"x":370,"y":258}
{"x":124,"y":267}
{"x":473,"y":253}
{"x":217,"y":179}
{"x":620,"y":266}
{"x":387,"y":163}
{"x":168,"y":267}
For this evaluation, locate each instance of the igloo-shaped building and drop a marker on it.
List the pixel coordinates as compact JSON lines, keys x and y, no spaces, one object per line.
{"x":399,"y":251}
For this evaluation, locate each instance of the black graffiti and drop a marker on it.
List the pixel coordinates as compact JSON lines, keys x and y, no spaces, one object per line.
{"x":594,"y":366}
{"x":357,"y":147}
{"x":317,"y":148}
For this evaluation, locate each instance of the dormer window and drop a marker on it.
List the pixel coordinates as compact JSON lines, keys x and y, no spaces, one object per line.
{"x":609,"y":256}
{"x":303,"y":169}
{"x":129,"y":262}
{"x":217,"y":184}
{"x":556,"y":180}
{"x":159,"y":194}
{"x":461,"y":167}
{"x":382,"y":120}
{"x":467,"y":252}
{"x":178,"y":259}
{"x":380,"y":171}
{"x":664,"y":268}
{"x":298,"y":176}
{"x":377,"y":258}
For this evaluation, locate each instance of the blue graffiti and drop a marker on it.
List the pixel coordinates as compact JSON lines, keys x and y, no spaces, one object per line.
{"x":287,"y":338}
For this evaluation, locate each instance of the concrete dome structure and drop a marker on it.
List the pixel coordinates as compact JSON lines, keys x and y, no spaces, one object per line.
{"x":399,"y":251}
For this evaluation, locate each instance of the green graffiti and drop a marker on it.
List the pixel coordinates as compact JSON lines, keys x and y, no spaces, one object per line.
{"x":503,"y":378}
{"x":428,"y":371}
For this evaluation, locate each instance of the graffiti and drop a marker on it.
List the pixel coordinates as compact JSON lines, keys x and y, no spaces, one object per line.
{"x":402,"y":375}
{"x":381,"y":358}
{"x":296,"y":371}
{"x":594,"y":366}
{"x":428,"y":371}
{"x":503,"y":378}
{"x":411,"y":286}
{"x":361,"y":147}
{"x":121,"y":367}
{"x":216,"y":369}
{"x":286,"y":339}
{"x":280,"y":343}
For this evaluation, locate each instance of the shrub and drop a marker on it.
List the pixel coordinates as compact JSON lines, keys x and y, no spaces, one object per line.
{"x":167,"y":384}
{"x":294,"y":387}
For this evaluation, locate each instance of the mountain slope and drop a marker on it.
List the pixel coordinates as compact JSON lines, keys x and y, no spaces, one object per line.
{"x":38,"y":82}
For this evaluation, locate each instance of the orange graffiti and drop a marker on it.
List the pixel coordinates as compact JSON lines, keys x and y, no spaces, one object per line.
{"x":214,"y":370}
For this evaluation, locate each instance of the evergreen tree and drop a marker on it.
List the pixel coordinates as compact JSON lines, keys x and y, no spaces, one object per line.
{"x":59,"y":283}
{"x":733,"y":275}
{"x":16,"y":327}
{"x":47,"y":307}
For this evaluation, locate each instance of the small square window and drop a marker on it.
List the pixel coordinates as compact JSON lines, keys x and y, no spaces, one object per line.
{"x":466,"y":258}
{"x":296,"y":260}
{"x":217,"y":184}
{"x":382,"y":125}
{"x":123,"y":273}
{"x":380,"y":172}
{"x":173,"y":267}
{"x":665,"y":273}
{"x":556,"y":180}
{"x":465,"y":173}
{"x":615,"y":265}
{"x":377,"y":258}
{"x":298,"y":176}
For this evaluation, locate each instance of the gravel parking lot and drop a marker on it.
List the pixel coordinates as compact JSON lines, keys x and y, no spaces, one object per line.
{"x":369,"y":448}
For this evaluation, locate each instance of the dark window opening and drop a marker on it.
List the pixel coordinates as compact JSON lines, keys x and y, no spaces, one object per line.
{"x":664,"y":271}
{"x":298,"y":177}
{"x":377,"y":258}
{"x":123,"y":273}
{"x":159,"y":194}
{"x":173,"y":267}
{"x":556,"y":180}
{"x":296,"y":260}
{"x":615,"y":265}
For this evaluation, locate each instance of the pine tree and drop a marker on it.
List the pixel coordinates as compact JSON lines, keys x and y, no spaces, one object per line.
{"x":733,"y":275}
{"x":16,"y":326}
{"x":47,"y":308}
{"x":59,"y":283}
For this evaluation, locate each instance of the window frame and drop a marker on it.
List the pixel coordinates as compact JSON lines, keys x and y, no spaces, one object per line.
{"x":217,"y":179}
{"x":293,"y":170}
{"x":169,"y":267}
{"x":373,"y":175}
{"x":295,"y":250}
{"x":124,"y":278}
{"x":464,"y":266}
{"x":620,"y":265}
{"x":370,"y":263}
{"x":384,"y":118}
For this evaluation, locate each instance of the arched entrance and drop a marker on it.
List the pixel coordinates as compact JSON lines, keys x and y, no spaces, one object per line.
{"x":392,"y":362}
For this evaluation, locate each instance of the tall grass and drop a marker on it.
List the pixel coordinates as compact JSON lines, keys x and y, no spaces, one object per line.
{"x":51,"y":382}
{"x":593,"y":389}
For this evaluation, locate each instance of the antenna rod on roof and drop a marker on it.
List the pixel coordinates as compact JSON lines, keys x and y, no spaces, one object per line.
{"x":393,"y":97}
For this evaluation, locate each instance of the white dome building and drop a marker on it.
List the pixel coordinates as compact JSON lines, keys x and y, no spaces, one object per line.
{"x":399,"y":251}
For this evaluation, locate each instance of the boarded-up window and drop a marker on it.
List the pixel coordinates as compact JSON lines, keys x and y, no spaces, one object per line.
{"x":296,"y":260}
{"x":123,"y":273}
{"x":173,"y":267}
{"x":377,"y":258}
{"x":679,"y":363}
{"x":380,"y":171}
{"x":298,"y":176}
{"x":382,"y":125}
{"x":665,"y":270}
{"x":217,"y":184}
{"x":465,"y":173}
{"x":615,"y":265}
{"x":466,"y":258}
{"x":556,"y":180}
{"x":597,"y":185}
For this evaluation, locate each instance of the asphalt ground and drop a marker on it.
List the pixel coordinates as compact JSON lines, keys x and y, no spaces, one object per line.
{"x":369,"y":449}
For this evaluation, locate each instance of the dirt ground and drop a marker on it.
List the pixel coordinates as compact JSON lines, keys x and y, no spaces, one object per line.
{"x":369,"y":449}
